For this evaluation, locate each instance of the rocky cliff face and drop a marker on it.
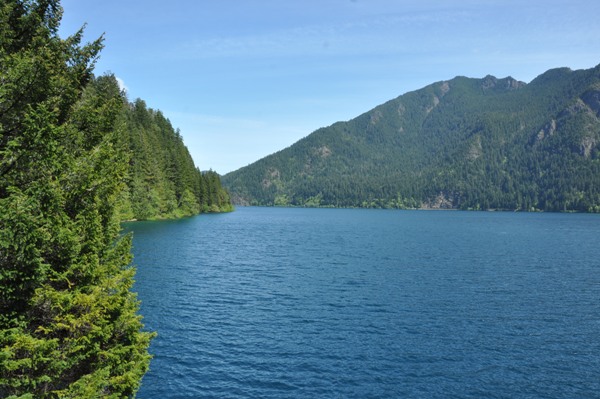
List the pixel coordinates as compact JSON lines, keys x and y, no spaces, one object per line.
{"x":491,"y":82}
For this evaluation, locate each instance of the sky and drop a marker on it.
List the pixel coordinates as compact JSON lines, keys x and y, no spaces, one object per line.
{"x":243,"y":79}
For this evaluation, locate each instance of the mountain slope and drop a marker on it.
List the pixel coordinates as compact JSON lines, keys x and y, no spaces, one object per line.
{"x":163,"y":181}
{"x":465,"y":143}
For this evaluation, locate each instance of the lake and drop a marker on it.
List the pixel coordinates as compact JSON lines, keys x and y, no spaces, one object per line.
{"x":351,"y":303}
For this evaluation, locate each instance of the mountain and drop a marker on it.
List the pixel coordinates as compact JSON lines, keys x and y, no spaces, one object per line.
{"x":463,"y":144}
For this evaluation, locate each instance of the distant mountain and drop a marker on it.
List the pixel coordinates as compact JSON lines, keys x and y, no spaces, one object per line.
{"x":462,"y":144}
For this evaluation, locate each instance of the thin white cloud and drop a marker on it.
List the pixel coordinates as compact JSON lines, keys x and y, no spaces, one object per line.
{"x":121,"y":84}
{"x":358,"y":36}
{"x":191,"y":118}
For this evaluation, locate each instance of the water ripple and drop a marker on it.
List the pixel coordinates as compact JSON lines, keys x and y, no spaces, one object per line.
{"x":305,"y":303}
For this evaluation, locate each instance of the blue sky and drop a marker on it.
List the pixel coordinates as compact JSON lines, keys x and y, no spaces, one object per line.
{"x":243,"y":79}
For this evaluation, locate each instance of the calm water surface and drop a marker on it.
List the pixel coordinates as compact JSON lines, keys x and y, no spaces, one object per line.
{"x":334,"y":303}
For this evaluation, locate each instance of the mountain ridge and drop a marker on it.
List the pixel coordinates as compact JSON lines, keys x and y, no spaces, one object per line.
{"x":476,"y":143}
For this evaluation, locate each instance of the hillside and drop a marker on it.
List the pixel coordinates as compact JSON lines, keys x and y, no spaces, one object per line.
{"x":464,"y":144}
{"x":162,"y":181}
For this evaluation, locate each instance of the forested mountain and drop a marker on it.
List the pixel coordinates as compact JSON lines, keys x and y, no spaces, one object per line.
{"x":76,"y":158}
{"x":464,"y":143}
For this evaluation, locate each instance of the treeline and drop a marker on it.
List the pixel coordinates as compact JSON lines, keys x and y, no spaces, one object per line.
{"x":163,"y":181}
{"x":76,"y":158}
{"x":462,"y":144}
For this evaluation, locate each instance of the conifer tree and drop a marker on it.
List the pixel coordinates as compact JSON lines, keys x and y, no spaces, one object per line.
{"x":68,"y":321}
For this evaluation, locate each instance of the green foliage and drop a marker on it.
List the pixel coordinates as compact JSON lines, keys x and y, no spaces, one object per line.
{"x":68,"y":321}
{"x":76,"y":158}
{"x":466,"y":143}
{"x":163,"y":181}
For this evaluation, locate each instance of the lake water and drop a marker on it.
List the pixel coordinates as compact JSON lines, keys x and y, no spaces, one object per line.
{"x":348,"y":303}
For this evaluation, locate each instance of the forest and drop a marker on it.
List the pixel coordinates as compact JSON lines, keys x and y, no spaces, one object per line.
{"x":76,"y":159}
{"x":466,"y":143}
{"x":162,"y":180}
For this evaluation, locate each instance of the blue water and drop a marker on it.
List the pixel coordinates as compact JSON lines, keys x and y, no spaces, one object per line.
{"x":341,"y":303}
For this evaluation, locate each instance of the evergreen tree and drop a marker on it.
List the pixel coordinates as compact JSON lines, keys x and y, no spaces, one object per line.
{"x":68,"y":322}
